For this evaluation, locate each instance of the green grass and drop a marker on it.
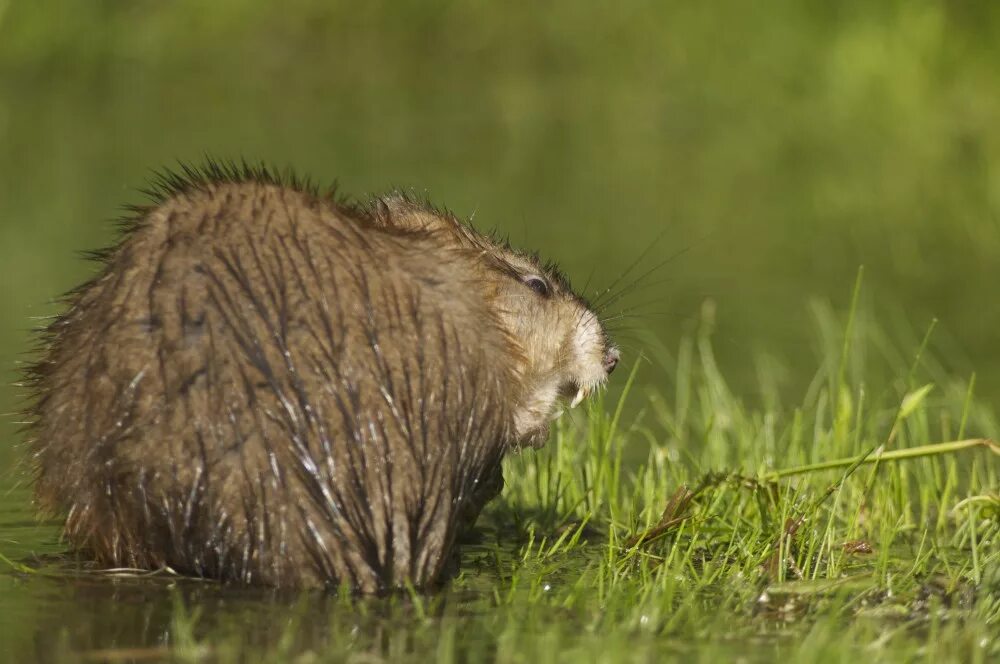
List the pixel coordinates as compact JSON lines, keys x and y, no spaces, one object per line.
{"x":676,"y":522}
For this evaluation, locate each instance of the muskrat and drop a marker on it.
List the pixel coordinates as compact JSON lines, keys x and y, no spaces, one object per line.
{"x":270,"y":385}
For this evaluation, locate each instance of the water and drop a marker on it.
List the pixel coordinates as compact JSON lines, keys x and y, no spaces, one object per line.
{"x":56,"y":607}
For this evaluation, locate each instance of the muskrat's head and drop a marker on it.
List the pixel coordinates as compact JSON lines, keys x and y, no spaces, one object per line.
{"x":561,"y":350}
{"x":565,"y":351}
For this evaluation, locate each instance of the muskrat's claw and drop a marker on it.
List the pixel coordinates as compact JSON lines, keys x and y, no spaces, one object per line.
{"x":580,"y":395}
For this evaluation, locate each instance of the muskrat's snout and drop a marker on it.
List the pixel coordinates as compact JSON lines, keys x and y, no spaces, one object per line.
{"x":611,"y":357}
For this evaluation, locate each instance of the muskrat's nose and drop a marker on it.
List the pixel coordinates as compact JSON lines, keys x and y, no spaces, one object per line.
{"x":611,"y":357}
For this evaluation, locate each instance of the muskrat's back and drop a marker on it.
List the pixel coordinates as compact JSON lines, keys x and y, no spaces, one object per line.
{"x":264,"y":385}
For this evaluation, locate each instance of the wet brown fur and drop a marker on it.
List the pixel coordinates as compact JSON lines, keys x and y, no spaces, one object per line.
{"x":267,"y":385}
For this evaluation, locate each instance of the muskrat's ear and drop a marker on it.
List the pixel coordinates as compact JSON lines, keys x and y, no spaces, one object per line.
{"x":391,"y":209}
{"x":399,"y":212}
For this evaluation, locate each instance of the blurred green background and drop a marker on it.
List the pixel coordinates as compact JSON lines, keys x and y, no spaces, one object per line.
{"x":776,"y":145}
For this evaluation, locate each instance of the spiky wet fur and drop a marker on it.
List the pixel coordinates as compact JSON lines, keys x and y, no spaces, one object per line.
{"x":262,"y":386}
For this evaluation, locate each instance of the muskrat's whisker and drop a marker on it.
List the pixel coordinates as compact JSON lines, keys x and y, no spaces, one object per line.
{"x":636,"y":307}
{"x":614,"y":323}
{"x":624,"y":290}
{"x":628,"y":270}
{"x":637,"y":313}
{"x":605,"y":302}
{"x":640,"y":287}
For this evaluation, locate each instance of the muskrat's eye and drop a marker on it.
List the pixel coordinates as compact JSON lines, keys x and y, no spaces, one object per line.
{"x":538,"y":285}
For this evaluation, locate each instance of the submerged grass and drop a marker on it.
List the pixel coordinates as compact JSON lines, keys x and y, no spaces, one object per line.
{"x":678,"y":522}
